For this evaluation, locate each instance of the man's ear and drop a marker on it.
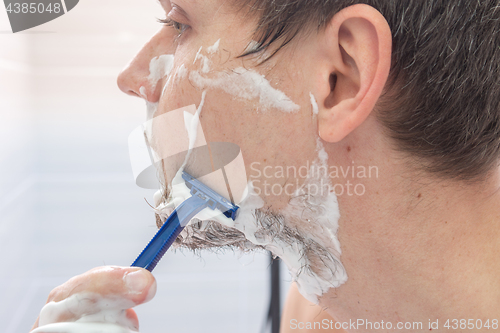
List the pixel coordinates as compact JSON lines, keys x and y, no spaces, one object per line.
{"x":356,"y":54}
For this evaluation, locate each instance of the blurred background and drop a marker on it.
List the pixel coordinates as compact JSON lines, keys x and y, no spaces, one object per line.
{"x":68,"y":201}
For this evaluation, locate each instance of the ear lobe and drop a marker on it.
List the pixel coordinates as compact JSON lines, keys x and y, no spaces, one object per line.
{"x":358,"y":44}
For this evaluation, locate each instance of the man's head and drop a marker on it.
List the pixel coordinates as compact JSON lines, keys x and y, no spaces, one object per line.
{"x":311,"y":84}
{"x":441,"y":105}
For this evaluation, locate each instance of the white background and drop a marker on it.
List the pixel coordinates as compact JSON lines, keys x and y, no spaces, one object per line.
{"x":68,"y":202}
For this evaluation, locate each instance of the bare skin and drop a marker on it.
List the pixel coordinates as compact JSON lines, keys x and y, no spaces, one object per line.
{"x":298,"y":312}
{"x":415,"y":248}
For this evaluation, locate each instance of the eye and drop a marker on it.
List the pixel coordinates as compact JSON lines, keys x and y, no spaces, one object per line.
{"x":179,"y":27}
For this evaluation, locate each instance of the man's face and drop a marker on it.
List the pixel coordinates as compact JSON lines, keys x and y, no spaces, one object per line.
{"x":266,"y":109}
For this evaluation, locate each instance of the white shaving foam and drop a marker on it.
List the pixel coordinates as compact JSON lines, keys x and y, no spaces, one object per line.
{"x":240,"y":82}
{"x":311,"y":284}
{"x":142,"y":91}
{"x":192,"y":128}
{"x":321,"y":223}
{"x":179,"y":192}
{"x":321,"y":214}
{"x":314,"y":104}
{"x":197,"y":56}
{"x":93,"y":313}
{"x":151,"y":109}
{"x":181,"y":73}
{"x":159,"y":67}
{"x":214,"y":48}
{"x":246,"y":84}
{"x":204,"y":61}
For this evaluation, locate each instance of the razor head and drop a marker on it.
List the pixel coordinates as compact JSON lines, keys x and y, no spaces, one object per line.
{"x":215,"y":200}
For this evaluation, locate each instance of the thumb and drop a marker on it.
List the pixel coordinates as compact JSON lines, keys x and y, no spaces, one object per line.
{"x":133,"y":283}
{"x":140,"y":285}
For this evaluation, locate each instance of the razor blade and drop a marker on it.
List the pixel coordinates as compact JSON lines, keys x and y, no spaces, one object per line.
{"x":202,"y":197}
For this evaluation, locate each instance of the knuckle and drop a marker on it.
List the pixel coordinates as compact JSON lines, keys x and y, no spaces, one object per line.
{"x":54,"y":293}
{"x":58,"y":293}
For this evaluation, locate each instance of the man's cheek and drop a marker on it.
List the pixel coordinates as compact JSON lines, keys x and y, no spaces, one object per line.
{"x":178,"y":93}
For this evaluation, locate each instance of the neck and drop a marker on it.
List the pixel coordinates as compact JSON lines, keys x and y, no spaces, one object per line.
{"x":418,"y":250}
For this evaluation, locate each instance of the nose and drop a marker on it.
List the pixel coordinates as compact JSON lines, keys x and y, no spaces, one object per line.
{"x":134,"y":78}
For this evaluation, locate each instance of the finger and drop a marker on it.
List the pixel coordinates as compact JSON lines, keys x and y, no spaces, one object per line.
{"x":35,"y":325}
{"x":133,"y":319}
{"x":133,"y":283}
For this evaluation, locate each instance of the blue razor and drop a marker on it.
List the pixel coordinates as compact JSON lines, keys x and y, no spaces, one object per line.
{"x":201,"y":197}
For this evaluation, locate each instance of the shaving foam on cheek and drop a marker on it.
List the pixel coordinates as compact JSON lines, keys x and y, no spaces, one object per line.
{"x":214,"y":48}
{"x":143,"y":92}
{"x":159,"y":67}
{"x":315,"y":109}
{"x":205,"y":62}
{"x":316,"y":207}
{"x":192,"y":127}
{"x":319,"y":214}
{"x":239,"y":82}
{"x":181,"y":73}
{"x":179,"y":192}
{"x":89,"y":312}
{"x":316,"y":214}
{"x":246,"y":84}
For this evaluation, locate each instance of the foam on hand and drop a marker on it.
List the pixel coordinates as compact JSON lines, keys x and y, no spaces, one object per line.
{"x":92,"y":313}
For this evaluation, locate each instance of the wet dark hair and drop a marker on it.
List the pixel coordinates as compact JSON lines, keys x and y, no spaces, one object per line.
{"x":442,"y":100}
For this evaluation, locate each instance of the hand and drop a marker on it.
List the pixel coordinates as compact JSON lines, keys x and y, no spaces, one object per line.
{"x":101,"y":297}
